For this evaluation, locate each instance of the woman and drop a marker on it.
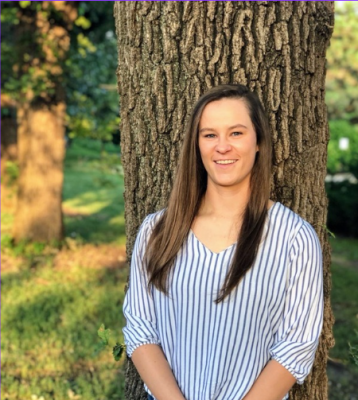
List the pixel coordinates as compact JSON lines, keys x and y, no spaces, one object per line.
{"x":225,"y":294}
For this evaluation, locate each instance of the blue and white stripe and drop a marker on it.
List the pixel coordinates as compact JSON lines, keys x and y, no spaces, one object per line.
{"x":217,"y":351}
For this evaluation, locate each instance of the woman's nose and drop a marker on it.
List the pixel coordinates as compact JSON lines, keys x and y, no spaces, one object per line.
{"x":223,"y":145}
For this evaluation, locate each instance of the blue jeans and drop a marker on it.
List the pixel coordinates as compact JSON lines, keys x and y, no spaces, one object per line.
{"x":150,"y":397}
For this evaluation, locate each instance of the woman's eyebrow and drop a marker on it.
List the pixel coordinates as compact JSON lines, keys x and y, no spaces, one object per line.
{"x":238,"y":126}
{"x":230,"y":127}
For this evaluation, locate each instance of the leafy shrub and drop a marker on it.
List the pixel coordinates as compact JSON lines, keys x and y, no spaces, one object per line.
{"x":11,"y":172}
{"x":343,"y":160}
{"x":342,"y":209}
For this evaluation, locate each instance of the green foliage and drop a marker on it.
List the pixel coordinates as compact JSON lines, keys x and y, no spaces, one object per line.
{"x":11,"y":172}
{"x":330,"y":233}
{"x":8,"y":16}
{"x":24,"y":4}
{"x":105,"y":334}
{"x":353,"y":351}
{"x":92,"y":99}
{"x":342,"y":71}
{"x":83,"y":22}
{"x":342,"y":208}
{"x":343,"y":160}
{"x":118,"y":351}
{"x":26,"y":70}
{"x":342,"y":104}
{"x":88,"y":71}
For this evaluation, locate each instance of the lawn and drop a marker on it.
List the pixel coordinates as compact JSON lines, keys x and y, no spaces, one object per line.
{"x":93,"y":193}
{"x":54,"y":301}
{"x":342,"y":372}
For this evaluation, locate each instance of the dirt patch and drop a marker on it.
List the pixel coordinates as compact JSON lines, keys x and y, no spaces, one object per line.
{"x":10,"y":263}
{"x":91,"y":256}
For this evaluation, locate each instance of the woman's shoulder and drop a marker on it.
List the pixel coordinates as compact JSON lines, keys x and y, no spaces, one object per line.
{"x":147,"y":226}
{"x":151,"y":219}
{"x":283,"y":218}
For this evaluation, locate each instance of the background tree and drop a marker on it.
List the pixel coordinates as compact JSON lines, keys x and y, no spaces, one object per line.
{"x":170,"y":52}
{"x":52,"y":82}
{"x":41,"y":44}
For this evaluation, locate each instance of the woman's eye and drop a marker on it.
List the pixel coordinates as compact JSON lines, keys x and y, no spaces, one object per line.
{"x":209,"y":135}
{"x":237,"y":133}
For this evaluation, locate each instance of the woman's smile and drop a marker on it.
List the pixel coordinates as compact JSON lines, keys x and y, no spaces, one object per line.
{"x":225,"y":162}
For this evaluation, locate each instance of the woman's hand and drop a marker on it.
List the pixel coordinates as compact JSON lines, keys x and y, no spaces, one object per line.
{"x":272,"y":384}
{"x":155,"y":371}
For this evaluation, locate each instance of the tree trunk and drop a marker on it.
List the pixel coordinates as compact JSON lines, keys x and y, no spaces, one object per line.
{"x":171,"y":52}
{"x":42,"y":41}
{"x":41,"y":151}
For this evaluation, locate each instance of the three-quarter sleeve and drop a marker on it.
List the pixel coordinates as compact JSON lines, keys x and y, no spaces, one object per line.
{"x":138,"y":307}
{"x":298,"y":333}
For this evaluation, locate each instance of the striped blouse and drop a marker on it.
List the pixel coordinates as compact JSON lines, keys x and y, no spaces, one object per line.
{"x":216,"y":351}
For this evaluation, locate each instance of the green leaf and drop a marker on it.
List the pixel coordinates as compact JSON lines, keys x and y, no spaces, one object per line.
{"x":83,"y":22}
{"x":330,"y":233}
{"x":24,"y":4}
{"x":118,"y":350}
{"x":104,"y":334}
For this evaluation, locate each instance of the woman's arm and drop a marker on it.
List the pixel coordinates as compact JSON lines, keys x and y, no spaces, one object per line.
{"x":272,"y":384}
{"x":155,"y":371}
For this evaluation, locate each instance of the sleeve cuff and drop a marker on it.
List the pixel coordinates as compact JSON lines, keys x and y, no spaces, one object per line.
{"x":130,"y":348}
{"x":299,"y":378}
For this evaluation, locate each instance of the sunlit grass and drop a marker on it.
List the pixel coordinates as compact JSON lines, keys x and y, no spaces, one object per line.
{"x":6,"y":222}
{"x":93,"y":193}
{"x":344,"y":295}
{"x":50,"y":320}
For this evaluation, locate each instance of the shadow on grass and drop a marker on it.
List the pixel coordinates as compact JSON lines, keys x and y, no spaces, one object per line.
{"x":97,"y":227}
{"x":93,"y":205}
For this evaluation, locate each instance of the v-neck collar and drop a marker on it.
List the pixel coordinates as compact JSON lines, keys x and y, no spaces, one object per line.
{"x":234,"y":244}
{"x":207,"y":248}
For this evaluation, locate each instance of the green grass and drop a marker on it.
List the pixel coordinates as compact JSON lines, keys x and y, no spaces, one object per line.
{"x":344,"y":295}
{"x":93,"y":193}
{"x":342,"y":371}
{"x":49,"y":321}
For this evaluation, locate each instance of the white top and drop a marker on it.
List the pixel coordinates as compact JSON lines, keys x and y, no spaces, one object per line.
{"x":216,"y":351}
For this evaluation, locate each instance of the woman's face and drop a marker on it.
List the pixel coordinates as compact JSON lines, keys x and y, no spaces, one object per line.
{"x":227,"y":143}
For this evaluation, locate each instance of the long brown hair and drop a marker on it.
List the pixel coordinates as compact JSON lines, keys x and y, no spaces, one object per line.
{"x":189,"y":188}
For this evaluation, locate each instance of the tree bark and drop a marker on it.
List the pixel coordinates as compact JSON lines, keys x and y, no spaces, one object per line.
{"x":41,"y":150}
{"x":42,"y":42}
{"x":169,"y":53}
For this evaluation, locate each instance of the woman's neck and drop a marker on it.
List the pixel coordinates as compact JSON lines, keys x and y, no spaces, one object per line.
{"x":224,"y":202}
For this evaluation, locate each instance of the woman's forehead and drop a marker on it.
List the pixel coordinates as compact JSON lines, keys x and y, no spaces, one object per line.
{"x":228,"y":112}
